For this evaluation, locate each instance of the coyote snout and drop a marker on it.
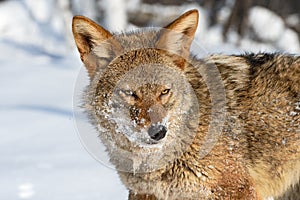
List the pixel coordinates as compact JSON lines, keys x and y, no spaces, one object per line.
{"x":147,"y":107}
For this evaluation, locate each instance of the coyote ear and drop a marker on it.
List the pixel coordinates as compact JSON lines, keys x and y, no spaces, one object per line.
{"x":87,"y":35}
{"x":178,"y":36}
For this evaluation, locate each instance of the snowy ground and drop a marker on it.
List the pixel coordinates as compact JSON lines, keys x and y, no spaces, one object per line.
{"x":40,"y":153}
{"x":41,"y":156}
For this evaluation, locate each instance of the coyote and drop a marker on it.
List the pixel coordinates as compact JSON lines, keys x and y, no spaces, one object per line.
{"x":154,"y":104}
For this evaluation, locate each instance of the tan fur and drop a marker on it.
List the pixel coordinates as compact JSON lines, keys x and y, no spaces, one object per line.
{"x":257,"y":154}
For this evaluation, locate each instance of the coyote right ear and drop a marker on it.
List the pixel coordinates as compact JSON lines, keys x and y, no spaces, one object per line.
{"x":178,"y":36}
{"x":87,"y":35}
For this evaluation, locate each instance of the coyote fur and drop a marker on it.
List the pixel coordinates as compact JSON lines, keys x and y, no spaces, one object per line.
{"x":257,"y":153}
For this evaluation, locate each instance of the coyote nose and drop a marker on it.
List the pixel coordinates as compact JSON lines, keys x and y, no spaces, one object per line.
{"x":157,"y":132}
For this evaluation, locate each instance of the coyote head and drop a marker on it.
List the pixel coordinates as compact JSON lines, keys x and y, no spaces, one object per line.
{"x":139,"y":97}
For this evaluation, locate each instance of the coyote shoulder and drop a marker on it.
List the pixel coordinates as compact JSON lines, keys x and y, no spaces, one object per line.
{"x":153,"y":104}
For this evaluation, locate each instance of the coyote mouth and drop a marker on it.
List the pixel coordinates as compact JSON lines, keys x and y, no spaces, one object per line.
{"x":145,"y":142}
{"x":148,"y":141}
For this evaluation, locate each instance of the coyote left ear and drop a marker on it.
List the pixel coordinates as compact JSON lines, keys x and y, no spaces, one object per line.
{"x":88,"y":35}
{"x":178,"y":36}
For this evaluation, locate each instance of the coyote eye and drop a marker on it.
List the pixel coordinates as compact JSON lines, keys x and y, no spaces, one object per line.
{"x":129,"y":93}
{"x":166,"y":91}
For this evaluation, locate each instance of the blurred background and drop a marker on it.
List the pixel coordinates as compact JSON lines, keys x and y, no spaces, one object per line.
{"x":41,"y":156}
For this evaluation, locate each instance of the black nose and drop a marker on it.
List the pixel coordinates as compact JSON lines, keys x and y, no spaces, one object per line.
{"x":157,"y":132}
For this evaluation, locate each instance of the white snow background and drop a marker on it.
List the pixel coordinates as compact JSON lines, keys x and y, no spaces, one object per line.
{"x":41,"y":156}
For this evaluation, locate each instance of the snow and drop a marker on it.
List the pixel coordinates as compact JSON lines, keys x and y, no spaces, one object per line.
{"x":40,"y":10}
{"x":26,"y":191}
{"x":261,"y":19}
{"x":289,"y":41}
{"x":115,"y":21}
{"x":297,"y":106}
{"x":41,"y":155}
{"x":271,"y":28}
